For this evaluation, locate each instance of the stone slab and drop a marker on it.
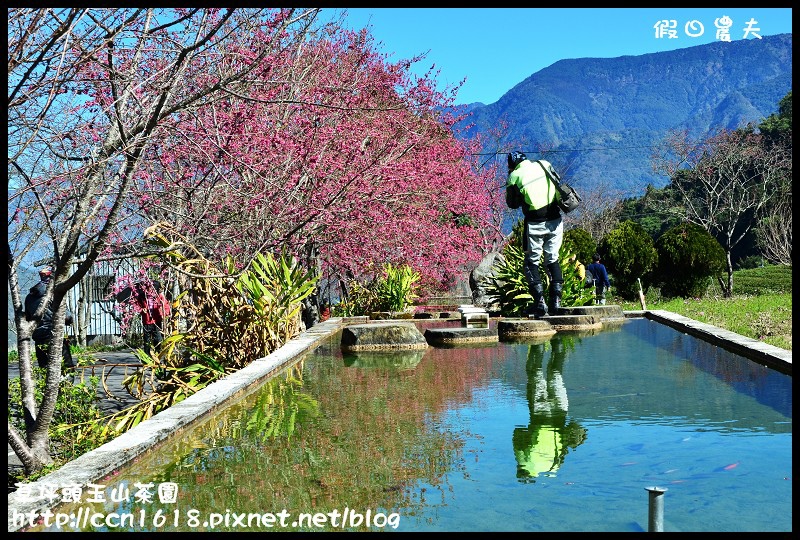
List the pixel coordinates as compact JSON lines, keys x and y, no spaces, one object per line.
{"x":574,"y":322}
{"x":515,"y":328}
{"x":388,"y":335}
{"x":610,"y":311}
{"x":449,"y":336}
{"x":476,"y":317}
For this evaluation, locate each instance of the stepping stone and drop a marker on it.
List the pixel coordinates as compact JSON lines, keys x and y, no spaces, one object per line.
{"x":604,"y":313}
{"x":453,"y":336}
{"x":512,"y":329}
{"x":382,"y":336}
{"x":574,"y":322}
{"x":473,"y":318}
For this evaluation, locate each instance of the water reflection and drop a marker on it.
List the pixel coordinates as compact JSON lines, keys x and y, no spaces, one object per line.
{"x":275,"y":412}
{"x":397,"y":360}
{"x":540,"y":448}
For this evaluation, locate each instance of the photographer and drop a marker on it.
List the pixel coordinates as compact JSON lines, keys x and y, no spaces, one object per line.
{"x":529,"y":187}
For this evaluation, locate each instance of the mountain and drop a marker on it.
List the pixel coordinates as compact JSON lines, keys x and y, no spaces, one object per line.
{"x":602,"y":116}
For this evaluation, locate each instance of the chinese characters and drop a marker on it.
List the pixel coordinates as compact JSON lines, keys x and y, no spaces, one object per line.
{"x":74,"y":493}
{"x":668,"y":28}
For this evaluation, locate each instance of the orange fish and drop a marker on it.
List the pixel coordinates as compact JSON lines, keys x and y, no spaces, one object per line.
{"x":731,"y":466}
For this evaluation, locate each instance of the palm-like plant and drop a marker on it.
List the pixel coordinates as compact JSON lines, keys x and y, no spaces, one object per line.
{"x":395,"y":292}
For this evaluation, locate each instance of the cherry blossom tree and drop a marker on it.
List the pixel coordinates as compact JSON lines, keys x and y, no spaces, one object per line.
{"x":334,"y":154}
{"x":250,"y":130}
{"x":89,"y":90}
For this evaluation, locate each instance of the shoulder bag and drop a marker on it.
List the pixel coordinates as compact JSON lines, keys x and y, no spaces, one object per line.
{"x":569,"y":199}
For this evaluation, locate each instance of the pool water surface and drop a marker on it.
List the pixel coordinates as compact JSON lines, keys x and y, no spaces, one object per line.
{"x":551,"y":434}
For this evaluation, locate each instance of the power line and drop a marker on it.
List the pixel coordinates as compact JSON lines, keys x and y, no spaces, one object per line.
{"x":566,"y":150}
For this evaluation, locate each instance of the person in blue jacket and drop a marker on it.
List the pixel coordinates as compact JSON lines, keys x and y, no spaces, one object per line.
{"x":601,"y":282}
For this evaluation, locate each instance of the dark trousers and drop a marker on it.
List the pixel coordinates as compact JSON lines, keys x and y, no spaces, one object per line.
{"x":66,"y":354}
{"x":600,"y":297}
{"x":152,"y":336}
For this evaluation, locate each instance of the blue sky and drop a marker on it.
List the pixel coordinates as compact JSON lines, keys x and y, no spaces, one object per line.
{"x":497,"y":48}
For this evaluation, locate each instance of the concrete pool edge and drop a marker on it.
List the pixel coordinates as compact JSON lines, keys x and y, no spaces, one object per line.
{"x":758,"y":351}
{"x":94,"y":466}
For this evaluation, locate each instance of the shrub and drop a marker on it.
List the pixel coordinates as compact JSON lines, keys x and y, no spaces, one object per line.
{"x":359,"y":301}
{"x":575,"y":292}
{"x":629,"y":254}
{"x":233,"y":321}
{"x":752,"y":261}
{"x":688,"y":258}
{"x":579,"y":242}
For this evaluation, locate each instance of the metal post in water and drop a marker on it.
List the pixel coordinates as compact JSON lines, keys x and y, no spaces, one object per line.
{"x":655,"y":519}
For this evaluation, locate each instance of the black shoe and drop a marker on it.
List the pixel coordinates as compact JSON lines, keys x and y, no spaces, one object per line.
{"x":555,"y":297}
{"x":540,"y":310}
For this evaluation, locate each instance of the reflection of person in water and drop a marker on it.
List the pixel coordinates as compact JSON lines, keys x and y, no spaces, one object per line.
{"x":542,"y":446}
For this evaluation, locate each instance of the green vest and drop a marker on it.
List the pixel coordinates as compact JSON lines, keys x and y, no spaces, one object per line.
{"x":533,"y":184}
{"x":545,"y":455}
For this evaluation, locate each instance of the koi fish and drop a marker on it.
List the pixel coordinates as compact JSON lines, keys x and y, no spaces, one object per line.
{"x":727,"y":467}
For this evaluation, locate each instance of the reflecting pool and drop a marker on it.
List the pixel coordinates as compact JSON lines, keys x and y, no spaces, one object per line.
{"x":560,"y":434}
